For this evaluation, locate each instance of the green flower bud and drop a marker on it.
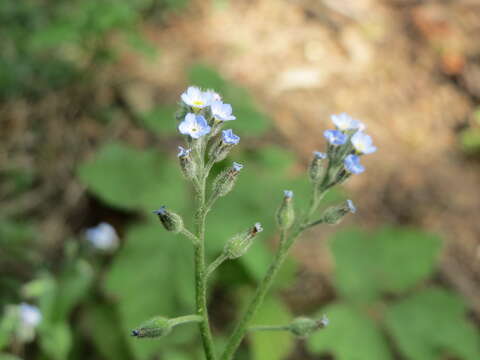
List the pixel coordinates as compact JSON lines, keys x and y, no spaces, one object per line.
{"x":187,"y":164}
{"x":304,"y":327}
{"x":286,"y":213}
{"x":225,"y":181}
{"x":317,"y":168}
{"x":239,"y":244}
{"x":333,"y":215}
{"x":153,"y":328}
{"x":170,"y":221}
{"x":222,"y":146}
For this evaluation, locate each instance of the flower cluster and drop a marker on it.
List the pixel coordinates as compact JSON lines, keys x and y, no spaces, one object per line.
{"x":202,"y":115}
{"x":346,"y":144}
{"x":204,"y":110}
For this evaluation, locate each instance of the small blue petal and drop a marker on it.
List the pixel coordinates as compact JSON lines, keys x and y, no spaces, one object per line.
{"x":229,"y":137}
{"x":335,"y":137}
{"x":352,"y":164}
{"x":288,"y":194}
{"x":237,"y":167}
{"x":351,"y":206}
{"x":319,"y":155}
{"x":183,"y":152}
{"x":161,"y":211}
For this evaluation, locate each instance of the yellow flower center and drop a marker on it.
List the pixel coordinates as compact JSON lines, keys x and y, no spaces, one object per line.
{"x":198,"y":102}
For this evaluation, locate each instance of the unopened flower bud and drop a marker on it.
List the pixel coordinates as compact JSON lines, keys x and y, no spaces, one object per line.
{"x":303,"y":327}
{"x":170,"y":221}
{"x":225,"y":181}
{"x":223,"y":145}
{"x":153,"y":328}
{"x":239,"y":244}
{"x":333,"y":215}
{"x":317,"y":167}
{"x":286,"y":213}
{"x":187,"y":164}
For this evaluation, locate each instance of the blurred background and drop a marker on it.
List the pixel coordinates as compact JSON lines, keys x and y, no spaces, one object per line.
{"x":88,"y":91}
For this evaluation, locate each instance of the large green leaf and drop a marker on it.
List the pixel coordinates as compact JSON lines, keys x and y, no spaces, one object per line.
{"x":101,"y":322}
{"x":133,"y":179}
{"x":271,"y":345}
{"x":391,"y":260}
{"x":431,"y":325}
{"x":152,"y":275}
{"x":351,"y":335}
{"x":250,"y":121}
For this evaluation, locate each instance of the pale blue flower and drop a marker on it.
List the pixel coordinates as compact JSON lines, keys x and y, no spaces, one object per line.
{"x":182,"y":152}
{"x":351,"y":206}
{"x":319,"y":155}
{"x":194,"y":125}
{"x":324,"y":321}
{"x":103,"y":237}
{"x":363,"y":143}
{"x":213,"y":95}
{"x":345,"y":122}
{"x":288,"y":194}
{"x":30,"y":316}
{"x":352,"y":164}
{"x":221,"y":111}
{"x":237,"y":167}
{"x":161,"y":211}
{"x":196,"y":98}
{"x":335,"y":137}
{"x":228,"y":137}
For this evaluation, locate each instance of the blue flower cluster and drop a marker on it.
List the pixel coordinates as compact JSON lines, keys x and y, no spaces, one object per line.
{"x":348,"y":142}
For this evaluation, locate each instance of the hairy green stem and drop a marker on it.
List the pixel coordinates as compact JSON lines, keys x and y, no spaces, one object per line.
{"x":242,"y":325}
{"x":200,"y":280}
{"x":269,"y":328}
{"x":215,"y":264}
{"x":185,"y":319}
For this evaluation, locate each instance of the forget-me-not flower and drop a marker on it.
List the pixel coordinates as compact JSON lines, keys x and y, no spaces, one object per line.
{"x":182,"y":152}
{"x":335,"y":137}
{"x":345,"y":122}
{"x":213,"y":95}
{"x":103,"y":236}
{"x":237,"y":166}
{"x":363,"y":143}
{"x":288,"y":194}
{"x":228,"y":137}
{"x":196,"y":98}
{"x":30,"y":316}
{"x":352,"y":164}
{"x":221,"y":111}
{"x":194,"y":125}
{"x":319,"y":155}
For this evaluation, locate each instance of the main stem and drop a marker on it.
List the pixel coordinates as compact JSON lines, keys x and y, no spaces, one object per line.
{"x":242,"y":325}
{"x":200,"y":279}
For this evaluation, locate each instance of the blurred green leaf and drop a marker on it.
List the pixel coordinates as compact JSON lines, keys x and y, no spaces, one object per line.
{"x":133,"y":179}
{"x":56,"y":340}
{"x":145,"y":281}
{"x":9,"y":357}
{"x":349,"y":336}
{"x":73,"y":286}
{"x":251,"y":121}
{"x":106,"y":332}
{"x":8,"y":323}
{"x":161,"y":120}
{"x":430,"y":324}
{"x":271,"y":344}
{"x":403,"y":258}
{"x":470,"y":140}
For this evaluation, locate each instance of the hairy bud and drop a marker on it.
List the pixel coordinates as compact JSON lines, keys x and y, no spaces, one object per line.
{"x":225,"y":181}
{"x":286,"y":213}
{"x":153,"y":328}
{"x":223,"y":145}
{"x":303,"y":327}
{"x":317,"y":167}
{"x":239,"y":244}
{"x":170,"y":221}
{"x":187,"y":164}
{"x":333,"y":215}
